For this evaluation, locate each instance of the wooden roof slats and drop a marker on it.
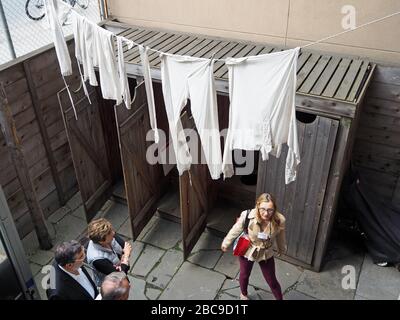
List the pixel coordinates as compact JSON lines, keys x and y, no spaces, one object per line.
{"x":201,"y":44}
{"x":173,"y":48}
{"x":168,"y":44}
{"x":195,"y":45}
{"x":219,"y":64}
{"x":265,"y":50}
{"x":247,"y":51}
{"x":136,"y":37}
{"x":348,"y":80}
{"x":206,"y":51}
{"x":303,"y":57}
{"x":337,"y":78}
{"x":156,"y":38}
{"x":327,"y":76}
{"x":135,"y":58}
{"x":314,"y":76}
{"x":307,"y":69}
{"x":357,"y":85}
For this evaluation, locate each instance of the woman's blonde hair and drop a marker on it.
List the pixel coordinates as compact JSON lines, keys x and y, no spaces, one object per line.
{"x":266,"y":197}
{"x":99,"y":229}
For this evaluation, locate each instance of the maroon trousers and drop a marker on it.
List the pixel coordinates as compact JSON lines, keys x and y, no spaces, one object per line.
{"x":268,"y":271}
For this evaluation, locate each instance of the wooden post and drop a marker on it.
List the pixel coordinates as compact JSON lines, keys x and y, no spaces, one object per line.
{"x":14,"y":145}
{"x":43,"y":131}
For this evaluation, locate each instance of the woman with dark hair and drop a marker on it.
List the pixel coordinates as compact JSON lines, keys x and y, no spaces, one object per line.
{"x":265,"y":226}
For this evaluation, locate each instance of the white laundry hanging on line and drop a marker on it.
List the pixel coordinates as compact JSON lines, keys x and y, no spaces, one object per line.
{"x":149,"y":90}
{"x":262,"y":114}
{"x":108,"y":69}
{"x":94,"y":48}
{"x":54,"y":9}
{"x":79,"y":25}
{"x":123,"y":78}
{"x":191,"y":78}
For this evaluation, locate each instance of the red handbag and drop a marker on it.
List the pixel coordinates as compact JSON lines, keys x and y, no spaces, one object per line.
{"x":242,"y":243}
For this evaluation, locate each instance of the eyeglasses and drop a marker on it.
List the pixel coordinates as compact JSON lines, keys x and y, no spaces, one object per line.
{"x":263,"y":210}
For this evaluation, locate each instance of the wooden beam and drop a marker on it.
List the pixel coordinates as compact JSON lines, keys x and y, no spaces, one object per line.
{"x":14,"y":146}
{"x":43,"y":131}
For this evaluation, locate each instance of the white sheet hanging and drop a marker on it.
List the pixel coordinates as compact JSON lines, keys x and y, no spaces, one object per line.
{"x":123,"y":78}
{"x":192,"y":78}
{"x":149,"y":90}
{"x":108,"y":69}
{"x":262,"y":114}
{"x":54,"y":9}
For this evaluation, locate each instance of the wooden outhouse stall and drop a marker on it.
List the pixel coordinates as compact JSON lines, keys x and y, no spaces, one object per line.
{"x":330,"y":91}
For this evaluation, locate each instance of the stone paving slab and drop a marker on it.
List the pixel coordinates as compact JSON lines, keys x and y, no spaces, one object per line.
{"x":208,"y":241}
{"x":225,"y":296}
{"x":232,"y":288}
{"x":235,"y":292}
{"x":327,"y":284}
{"x":42,"y":257}
{"x":153,"y":294}
{"x":35,"y":268}
{"x":206,"y":258}
{"x":117,"y":214}
{"x":148,"y":227}
{"x":137,"y":249}
{"x":79,"y":213}
{"x":264,"y":295}
{"x":358,"y":297}
{"x":163,"y":234}
{"x":58,"y":214}
{"x":229,"y":284}
{"x":286,"y":273}
{"x":378,"y":283}
{"x":192,"y":282}
{"x":161,"y":275}
{"x":296,"y":295}
{"x":147,"y":260}
{"x":228,"y":264}
{"x":126,"y":229}
{"x":68,"y":228}
{"x":138,"y":288}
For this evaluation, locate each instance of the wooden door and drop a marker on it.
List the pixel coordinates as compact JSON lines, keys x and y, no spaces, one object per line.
{"x":144,"y":183}
{"x":88,"y":149}
{"x":301,"y":201}
{"x":193,"y":198}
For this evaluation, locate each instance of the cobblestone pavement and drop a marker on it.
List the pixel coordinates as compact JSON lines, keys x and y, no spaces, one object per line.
{"x":158,"y":270}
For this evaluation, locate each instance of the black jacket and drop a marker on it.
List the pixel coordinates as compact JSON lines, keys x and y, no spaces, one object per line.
{"x":67,"y":288}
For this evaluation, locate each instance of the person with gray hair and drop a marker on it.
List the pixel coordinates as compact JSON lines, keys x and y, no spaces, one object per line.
{"x":115,"y":286}
{"x":71,"y":279}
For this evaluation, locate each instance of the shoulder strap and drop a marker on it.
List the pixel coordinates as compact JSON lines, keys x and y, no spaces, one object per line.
{"x":246,"y":222}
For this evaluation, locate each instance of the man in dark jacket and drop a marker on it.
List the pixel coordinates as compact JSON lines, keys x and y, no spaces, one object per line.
{"x":71,"y":280}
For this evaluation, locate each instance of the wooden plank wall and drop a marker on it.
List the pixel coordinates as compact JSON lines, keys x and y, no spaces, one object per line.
{"x":31,"y":87}
{"x":377,"y":147}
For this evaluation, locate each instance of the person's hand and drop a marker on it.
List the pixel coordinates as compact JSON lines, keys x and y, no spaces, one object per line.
{"x":224,"y":249}
{"x":127,"y":249}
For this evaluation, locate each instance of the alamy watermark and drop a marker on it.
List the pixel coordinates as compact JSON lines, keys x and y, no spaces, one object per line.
{"x":349,"y":19}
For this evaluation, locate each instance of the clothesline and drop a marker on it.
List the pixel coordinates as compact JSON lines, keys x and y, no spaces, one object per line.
{"x":301,"y":47}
